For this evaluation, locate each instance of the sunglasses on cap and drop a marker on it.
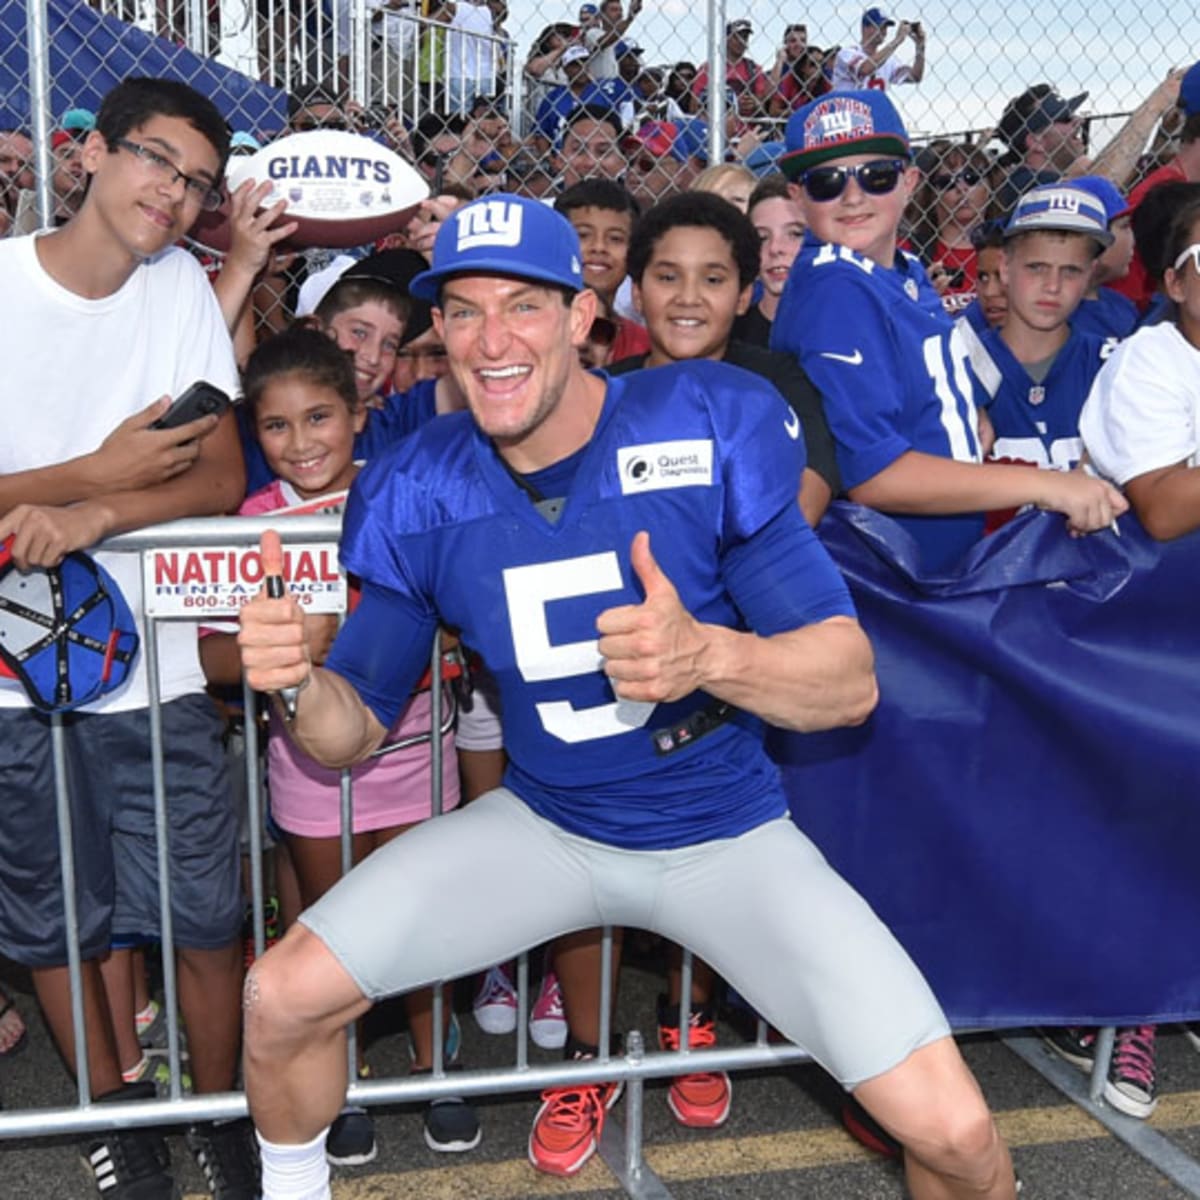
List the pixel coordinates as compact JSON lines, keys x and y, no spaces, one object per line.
{"x":876,"y":178}
{"x":966,"y":177}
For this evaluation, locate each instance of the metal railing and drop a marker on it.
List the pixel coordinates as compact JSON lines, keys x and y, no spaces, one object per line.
{"x":634,"y":1066}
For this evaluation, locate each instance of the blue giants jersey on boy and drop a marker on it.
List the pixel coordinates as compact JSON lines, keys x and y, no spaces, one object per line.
{"x":703,"y":456}
{"x":891,"y":368}
{"x":1036,"y":422}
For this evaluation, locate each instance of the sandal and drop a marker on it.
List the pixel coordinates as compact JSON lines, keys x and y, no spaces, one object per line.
{"x":19,"y":1043}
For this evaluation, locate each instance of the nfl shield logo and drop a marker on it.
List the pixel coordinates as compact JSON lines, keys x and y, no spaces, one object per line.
{"x":910,"y":289}
{"x":1037,"y":395}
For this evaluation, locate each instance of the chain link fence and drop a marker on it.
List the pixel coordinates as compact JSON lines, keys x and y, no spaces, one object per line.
{"x":482,"y":98}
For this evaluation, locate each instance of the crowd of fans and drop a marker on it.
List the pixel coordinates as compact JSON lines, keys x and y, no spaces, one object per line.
{"x":1037,"y":262}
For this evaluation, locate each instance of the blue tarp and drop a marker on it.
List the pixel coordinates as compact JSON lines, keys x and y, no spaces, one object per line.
{"x":90,"y":52}
{"x":1023,"y":807}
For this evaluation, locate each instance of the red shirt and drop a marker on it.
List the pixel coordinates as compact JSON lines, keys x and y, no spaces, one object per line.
{"x":740,"y":76}
{"x":1136,"y":282}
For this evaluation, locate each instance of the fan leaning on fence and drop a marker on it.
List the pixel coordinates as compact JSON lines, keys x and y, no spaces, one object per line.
{"x":100,"y":319}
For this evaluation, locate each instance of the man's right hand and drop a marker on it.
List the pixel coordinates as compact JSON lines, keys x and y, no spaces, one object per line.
{"x":135,"y":456}
{"x":271,"y":639}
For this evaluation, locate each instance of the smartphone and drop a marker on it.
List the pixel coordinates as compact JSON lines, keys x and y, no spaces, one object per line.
{"x":199,"y":400}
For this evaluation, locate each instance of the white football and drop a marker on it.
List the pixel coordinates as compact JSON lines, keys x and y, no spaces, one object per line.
{"x":343,"y":188}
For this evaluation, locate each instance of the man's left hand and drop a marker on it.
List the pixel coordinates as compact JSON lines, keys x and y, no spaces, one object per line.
{"x":651,"y":650}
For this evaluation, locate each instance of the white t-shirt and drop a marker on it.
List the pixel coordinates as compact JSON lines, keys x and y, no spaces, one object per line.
{"x":75,"y":369}
{"x":1143,"y":411}
{"x":845,"y":77}
{"x":603,"y":63}
{"x":469,"y":57}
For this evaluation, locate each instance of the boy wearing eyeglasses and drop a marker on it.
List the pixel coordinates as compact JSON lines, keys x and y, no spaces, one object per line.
{"x":871,"y":333}
{"x":102,"y":320}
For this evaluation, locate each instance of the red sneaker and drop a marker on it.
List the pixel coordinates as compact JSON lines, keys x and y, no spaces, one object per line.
{"x":700,"y":1101}
{"x":567,"y":1128}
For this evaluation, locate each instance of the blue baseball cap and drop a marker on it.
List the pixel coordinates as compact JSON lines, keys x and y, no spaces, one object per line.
{"x":876,"y":16}
{"x":764,"y":158}
{"x":1061,"y":208}
{"x":1107,"y":192}
{"x":1189,"y":90}
{"x":839,"y":125}
{"x":503,"y":235}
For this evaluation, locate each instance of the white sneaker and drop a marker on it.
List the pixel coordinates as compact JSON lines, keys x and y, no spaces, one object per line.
{"x":495,"y":1004}
{"x":547,"y":1021}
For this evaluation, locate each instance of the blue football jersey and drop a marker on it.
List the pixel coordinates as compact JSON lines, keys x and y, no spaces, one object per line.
{"x":892,"y":369}
{"x":701,"y":455}
{"x":1036,"y":422}
{"x":1109,"y":315}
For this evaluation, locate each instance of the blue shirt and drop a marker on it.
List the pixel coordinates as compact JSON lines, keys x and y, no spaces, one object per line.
{"x":702,"y":456}
{"x":1037,"y":422}
{"x":1109,"y":315}
{"x":892,"y":370}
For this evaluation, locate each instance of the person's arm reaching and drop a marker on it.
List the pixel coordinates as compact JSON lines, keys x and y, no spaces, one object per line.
{"x":925,"y":483}
{"x":868,"y":64}
{"x":917,"y":71}
{"x":819,"y":676}
{"x":1118,"y":159}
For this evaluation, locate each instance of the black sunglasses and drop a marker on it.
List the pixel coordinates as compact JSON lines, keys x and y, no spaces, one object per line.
{"x":876,"y":178}
{"x":967,"y":177}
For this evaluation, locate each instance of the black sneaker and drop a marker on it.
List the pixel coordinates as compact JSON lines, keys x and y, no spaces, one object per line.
{"x":452,"y":1126}
{"x":1075,"y":1044}
{"x":351,"y":1138}
{"x":228,"y":1155}
{"x":130,"y":1164}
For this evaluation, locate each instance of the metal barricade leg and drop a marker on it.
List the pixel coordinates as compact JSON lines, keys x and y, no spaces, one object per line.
{"x":66,"y":853}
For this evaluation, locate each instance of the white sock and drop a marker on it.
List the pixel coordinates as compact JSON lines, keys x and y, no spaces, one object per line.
{"x":131,"y":1076}
{"x":294,"y":1172}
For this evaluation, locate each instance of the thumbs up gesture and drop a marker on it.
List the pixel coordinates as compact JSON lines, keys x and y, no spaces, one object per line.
{"x":271,"y":638}
{"x":651,"y":650}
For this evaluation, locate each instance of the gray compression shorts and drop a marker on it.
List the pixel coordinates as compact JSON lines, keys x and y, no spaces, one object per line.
{"x":480,"y":884}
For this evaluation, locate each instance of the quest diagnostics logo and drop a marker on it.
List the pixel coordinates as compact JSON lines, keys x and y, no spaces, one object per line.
{"x":658,"y":465}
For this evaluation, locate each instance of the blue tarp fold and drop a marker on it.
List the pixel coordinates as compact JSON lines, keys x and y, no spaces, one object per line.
{"x":90,"y":52}
{"x":1023,"y":808}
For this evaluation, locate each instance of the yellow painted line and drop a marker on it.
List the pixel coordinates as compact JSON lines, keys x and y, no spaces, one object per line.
{"x":720,"y":1157}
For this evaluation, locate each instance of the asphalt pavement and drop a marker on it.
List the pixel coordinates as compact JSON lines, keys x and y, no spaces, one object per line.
{"x":782,"y":1139}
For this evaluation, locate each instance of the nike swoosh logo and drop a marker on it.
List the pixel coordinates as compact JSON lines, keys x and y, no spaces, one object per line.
{"x":854,"y":359}
{"x":792,"y":425}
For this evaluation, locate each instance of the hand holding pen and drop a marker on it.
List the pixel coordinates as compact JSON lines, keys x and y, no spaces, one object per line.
{"x":275,"y":656}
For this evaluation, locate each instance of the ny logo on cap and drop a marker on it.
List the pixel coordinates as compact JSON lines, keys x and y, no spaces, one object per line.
{"x":1063,"y":202}
{"x":490,"y":223}
{"x":836,"y":124}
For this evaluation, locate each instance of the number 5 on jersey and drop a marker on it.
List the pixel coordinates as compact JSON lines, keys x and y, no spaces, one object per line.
{"x":527,"y":591}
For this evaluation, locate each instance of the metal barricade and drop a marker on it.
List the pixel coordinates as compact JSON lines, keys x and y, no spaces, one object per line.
{"x":234,"y":537}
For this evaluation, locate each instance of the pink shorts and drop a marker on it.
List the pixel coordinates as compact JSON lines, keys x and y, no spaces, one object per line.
{"x":390,"y":789}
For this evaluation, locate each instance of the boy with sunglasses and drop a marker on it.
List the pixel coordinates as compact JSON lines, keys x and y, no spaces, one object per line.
{"x":871,"y":333}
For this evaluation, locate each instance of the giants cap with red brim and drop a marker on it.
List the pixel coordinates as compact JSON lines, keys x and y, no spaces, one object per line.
{"x":504,"y":235}
{"x":839,"y":125}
